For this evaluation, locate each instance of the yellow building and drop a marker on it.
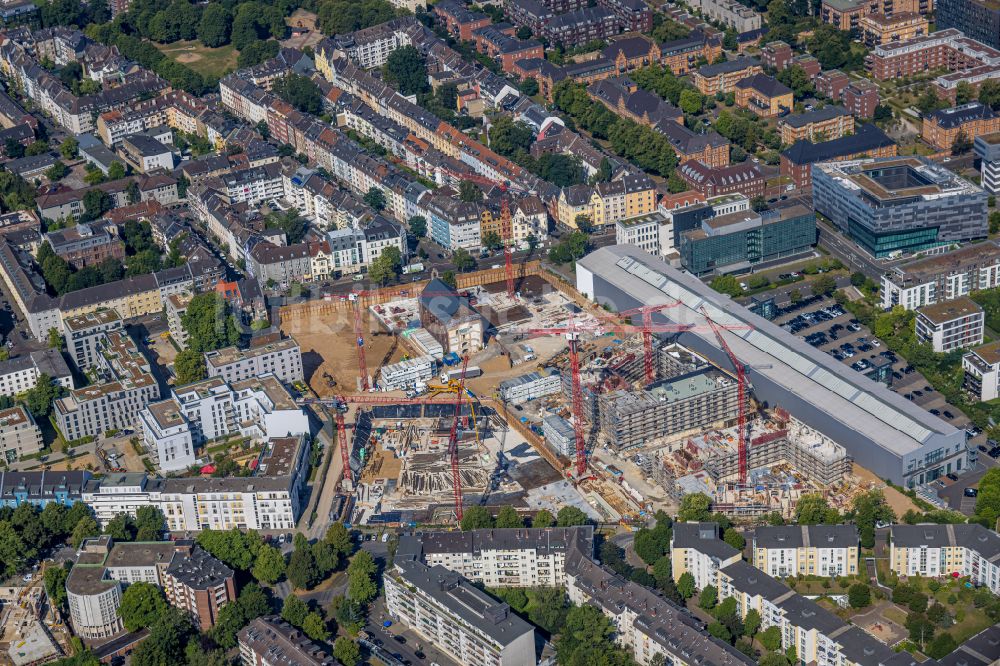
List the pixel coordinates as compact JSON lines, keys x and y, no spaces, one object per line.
{"x":811,"y":550}
{"x":764,"y":96}
{"x":574,"y":200}
{"x":624,"y":198}
{"x":877,"y":29}
{"x":941,"y":551}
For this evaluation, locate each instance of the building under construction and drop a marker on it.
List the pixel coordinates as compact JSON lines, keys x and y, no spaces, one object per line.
{"x":687,"y":394}
{"x":785,"y":459}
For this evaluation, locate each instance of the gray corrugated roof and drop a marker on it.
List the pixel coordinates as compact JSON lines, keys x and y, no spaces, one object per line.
{"x":797,"y":536}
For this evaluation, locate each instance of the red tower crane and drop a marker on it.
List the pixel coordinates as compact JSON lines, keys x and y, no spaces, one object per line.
{"x":572,"y":331}
{"x":360,"y":338}
{"x":646,"y":311}
{"x":345,"y":454}
{"x":456,"y":479}
{"x":506,"y":222}
{"x":741,"y":394}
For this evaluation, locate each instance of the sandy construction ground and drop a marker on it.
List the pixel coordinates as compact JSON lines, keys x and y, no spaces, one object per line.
{"x":328,"y":346}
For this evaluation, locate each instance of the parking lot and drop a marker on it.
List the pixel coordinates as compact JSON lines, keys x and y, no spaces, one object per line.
{"x":827,"y":326}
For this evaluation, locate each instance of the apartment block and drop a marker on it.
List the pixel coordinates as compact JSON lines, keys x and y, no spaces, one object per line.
{"x":806,"y":550}
{"x":459,"y":619}
{"x":723,"y":77}
{"x":879,"y":29}
{"x":270,"y":641}
{"x":86,"y":244}
{"x":259,"y":408}
{"x":845,"y":14}
{"x":860,"y":98}
{"x":982,"y":372}
{"x":502,"y":557}
{"x":84,"y":335}
{"x":175,"y":307}
{"x":19,"y":434}
{"x":191,"y":579}
{"x":530,"y":386}
{"x":940,"y":551}
{"x":777,"y":55}
{"x":978,"y":19}
{"x":823,"y":124}
{"x":271,"y":499}
{"x":653,"y":232}
{"x":941,"y":128}
{"x":669,"y":407}
{"x":831,"y":83}
{"x":951,"y":325}
{"x":730,"y":13}
{"x":125,"y":387}
{"x":697,"y":549}
{"x":283,"y":359}
{"x":941,"y":277}
{"x":21,"y":373}
{"x":619,"y":199}
{"x":764,"y":96}
{"x":743,"y":179}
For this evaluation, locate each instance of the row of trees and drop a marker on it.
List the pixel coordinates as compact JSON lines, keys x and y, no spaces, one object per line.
{"x":26,"y":531}
{"x":648,"y":149}
{"x":480,"y":518}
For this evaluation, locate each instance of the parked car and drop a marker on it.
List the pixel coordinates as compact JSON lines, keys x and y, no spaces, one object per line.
{"x":948,"y":415}
{"x":971,"y":492}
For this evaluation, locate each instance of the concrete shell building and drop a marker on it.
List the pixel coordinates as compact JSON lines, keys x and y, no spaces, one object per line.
{"x":881,"y":430}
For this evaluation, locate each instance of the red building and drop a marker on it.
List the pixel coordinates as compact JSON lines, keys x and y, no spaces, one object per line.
{"x":776,"y":55}
{"x":744,"y":178}
{"x":861,"y":98}
{"x":832,"y":83}
{"x":459,"y":20}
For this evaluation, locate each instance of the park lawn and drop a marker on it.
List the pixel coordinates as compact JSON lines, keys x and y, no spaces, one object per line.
{"x":206,"y":61}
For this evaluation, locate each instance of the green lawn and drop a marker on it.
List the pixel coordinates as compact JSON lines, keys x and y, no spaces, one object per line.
{"x":202,"y":59}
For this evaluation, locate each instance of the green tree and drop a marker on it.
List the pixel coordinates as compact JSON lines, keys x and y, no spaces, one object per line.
{"x":476,"y":518}
{"x":339,"y":538}
{"x":964,"y":93}
{"x":734,"y":539}
{"x":694,"y":507}
{"x":691,"y":101}
{"x":116,"y":171}
{"x":508,"y":517}
{"x":571,"y":516}
{"x":347,"y":651}
{"x":859,"y":595}
{"x":235,"y":548}
{"x":708,"y":597}
{"x":120,"y":528}
{"x":149,"y":523}
{"x":302,"y":571}
{"x":870,"y":508}
{"x":87,"y":527}
{"x":55,"y":586}
{"x":720,"y":631}
{"x":314,"y":626}
{"x":406,"y":70}
{"x":418,"y":226}
{"x":252,"y":602}
{"x":376,"y":199}
{"x":167,"y":638}
{"x":770,"y":638}
{"x":543,"y":519}
{"x":141,"y":605}
{"x":290,"y":222}
{"x":463,"y":260}
{"x":301,"y":92}
{"x":57,"y":172}
{"x":962,"y":143}
{"x":509,"y":137}
{"x":294,"y":611}
{"x":989,"y":93}
{"x":686,"y":585}
{"x":726,"y":284}
{"x":751,"y":623}
{"x":469,"y":192}
{"x":189,"y":367}
{"x":216,"y":24}
{"x":824,"y":285}
{"x":361,"y":572}
{"x":586,"y":632}
{"x":529,"y":86}
{"x":813,"y":509}
{"x":584,"y":223}
{"x":209,"y":323}
{"x":492,"y":241}
{"x":942,"y":645}
{"x":269,"y":565}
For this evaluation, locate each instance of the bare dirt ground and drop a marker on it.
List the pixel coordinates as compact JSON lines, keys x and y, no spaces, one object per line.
{"x":899,"y":502}
{"x":328,"y":346}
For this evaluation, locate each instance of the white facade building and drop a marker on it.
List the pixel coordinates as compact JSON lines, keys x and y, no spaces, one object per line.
{"x":809,"y":550}
{"x":406,"y":374}
{"x":956,"y":324}
{"x":982,"y":372}
{"x":21,"y":373}
{"x":283,"y":359}
{"x":943,"y":550}
{"x":530,"y":386}
{"x":653,"y":232}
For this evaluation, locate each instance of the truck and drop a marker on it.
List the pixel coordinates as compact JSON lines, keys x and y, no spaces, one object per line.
{"x":415,"y":267}
{"x":456,"y":373}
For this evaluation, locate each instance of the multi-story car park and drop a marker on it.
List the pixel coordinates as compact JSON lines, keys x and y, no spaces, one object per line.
{"x":941,"y":277}
{"x":896,"y":205}
{"x":882,"y":431}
